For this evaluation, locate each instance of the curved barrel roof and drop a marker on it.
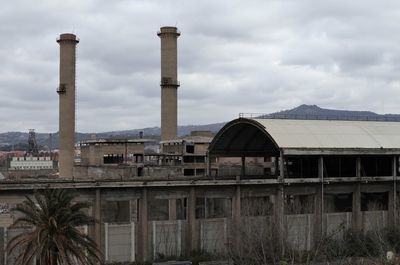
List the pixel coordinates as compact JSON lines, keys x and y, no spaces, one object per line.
{"x":241,"y":135}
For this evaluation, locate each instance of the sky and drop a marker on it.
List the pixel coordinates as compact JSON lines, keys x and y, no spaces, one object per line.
{"x":253,"y":56}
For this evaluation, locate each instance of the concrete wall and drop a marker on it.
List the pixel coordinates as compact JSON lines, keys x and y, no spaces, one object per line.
{"x":337,"y":223}
{"x":116,"y":172}
{"x":300,"y":231}
{"x":164,"y":172}
{"x":31,"y":174}
{"x":119,"y":241}
{"x":201,"y":148}
{"x":168,"y":238}
{"x":172,"y":147}
{"x":213,"y":235}
{"x":93,"y":155}
{"x":143,"y":239}
{"x":374,"y":220}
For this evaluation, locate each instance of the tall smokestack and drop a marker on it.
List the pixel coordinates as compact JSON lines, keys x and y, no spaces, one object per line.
{"x":169,"y":82}
{"x":66,"y":91}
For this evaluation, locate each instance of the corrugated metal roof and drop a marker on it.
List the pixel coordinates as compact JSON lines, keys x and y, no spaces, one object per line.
{"x":333,"y":134}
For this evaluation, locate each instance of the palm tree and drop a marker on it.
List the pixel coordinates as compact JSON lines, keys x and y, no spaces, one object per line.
{"x":54,"y":237}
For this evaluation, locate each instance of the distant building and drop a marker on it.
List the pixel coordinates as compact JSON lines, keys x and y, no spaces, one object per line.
{"x":190,"y":153}
{"x":31,"y":163}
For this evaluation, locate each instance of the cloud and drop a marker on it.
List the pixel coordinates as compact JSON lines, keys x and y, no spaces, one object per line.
{"x":234,"y":56}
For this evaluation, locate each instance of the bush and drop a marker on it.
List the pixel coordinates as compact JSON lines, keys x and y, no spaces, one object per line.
{"x":372,"y":244}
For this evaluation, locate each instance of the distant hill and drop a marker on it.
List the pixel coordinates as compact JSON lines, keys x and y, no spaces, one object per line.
{"x":310,"y":112}
{"x":19,"y":139}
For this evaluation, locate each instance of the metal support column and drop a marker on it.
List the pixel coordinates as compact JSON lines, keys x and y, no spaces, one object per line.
{"x":143,"y":234}
{"x":357,"y":214}
{"x":97,"y":216}
{"x":192,"y":238}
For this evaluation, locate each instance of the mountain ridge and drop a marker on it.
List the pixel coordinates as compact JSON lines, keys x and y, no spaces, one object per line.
{"x":10,"y":139}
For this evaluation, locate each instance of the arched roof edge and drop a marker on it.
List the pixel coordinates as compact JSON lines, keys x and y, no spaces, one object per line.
{"x":237,"y":121}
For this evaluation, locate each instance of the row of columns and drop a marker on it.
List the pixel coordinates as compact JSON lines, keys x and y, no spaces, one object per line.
{"x":279,"y":214}
{"x":319,"y":197}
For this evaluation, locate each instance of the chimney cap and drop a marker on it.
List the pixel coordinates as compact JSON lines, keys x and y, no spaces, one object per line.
{"x":169,"y":30}
{"x":67,"y":37}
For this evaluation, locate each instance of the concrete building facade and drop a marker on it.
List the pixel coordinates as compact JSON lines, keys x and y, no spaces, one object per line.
{"x":131,"y":158}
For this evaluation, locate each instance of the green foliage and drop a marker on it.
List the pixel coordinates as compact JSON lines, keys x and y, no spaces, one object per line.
{"x":54,"y":237}
{"x":392,"y":237}
{"x":354,"y":243}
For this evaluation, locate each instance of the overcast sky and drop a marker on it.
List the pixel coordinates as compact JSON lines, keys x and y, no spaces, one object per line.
{"x":233,"y":56}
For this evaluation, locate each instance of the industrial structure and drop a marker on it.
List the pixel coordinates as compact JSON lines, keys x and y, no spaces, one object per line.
{"x":169,"y":82}
{"x":67,"y":94}
{"x":318,"y":178}
{"x":32,"y":143}
{"x":33,"y":163}
{"x":129,"y":158}
{"x":301,"y":178}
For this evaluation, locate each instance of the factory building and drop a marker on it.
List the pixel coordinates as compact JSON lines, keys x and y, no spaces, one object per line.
{"x":324,"y":177}
{"x":344,"y":169}
{"x":190,"y":153}
{"x":132,"y":158}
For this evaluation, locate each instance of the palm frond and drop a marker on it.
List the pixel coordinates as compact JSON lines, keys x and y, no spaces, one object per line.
{"x":54,"y":237}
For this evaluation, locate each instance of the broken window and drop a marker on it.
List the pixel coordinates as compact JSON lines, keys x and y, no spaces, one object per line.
{"x":181,"y":209}
{"x":200,"y":172}
{"x":200,"y":159}
{"x":376,"y":201}
{"x":384,"y":166}
{"x":135,"y":158}
{"x":113,"y":159}
{"x":213,"y":208}
{"x":340,"y":167}
{"x":158,"y":209}
{"x":116,"y":212}
{"x":376,"y":166}
{"x":194,"y":159}
{"x":299,"y":204}
{"x":267,"y":171}
{"x":188,"y":172}
{"x":302,"y":167}
{"x":200,"y":208}
{"x":218,"y":207}
{"x":256,"y":206}
{"x":338,"y":203}
{"x":188,"y":159}
{"x":190,"y":148}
